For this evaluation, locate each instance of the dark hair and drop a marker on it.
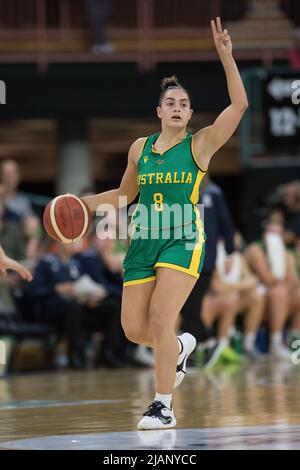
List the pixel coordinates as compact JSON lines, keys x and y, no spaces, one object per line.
{"x":171,"y":83}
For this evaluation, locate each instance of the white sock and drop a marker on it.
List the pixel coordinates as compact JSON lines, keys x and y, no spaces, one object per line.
{"x":249,"y":340}
{"x":231,"y":332}
{"x":164,"y":399}
{"x":276,"y":339}
{"x":223,"y":341}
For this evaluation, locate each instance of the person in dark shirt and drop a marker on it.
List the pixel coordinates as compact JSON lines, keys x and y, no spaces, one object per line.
{"x":93,"y":264}
{"x":18,"y":207}
{"x":217,"y":223}
{"x":11,"y":238}
{"x":54,"y":299}
{"x":290,"y":211}
{"x":98,"y":12}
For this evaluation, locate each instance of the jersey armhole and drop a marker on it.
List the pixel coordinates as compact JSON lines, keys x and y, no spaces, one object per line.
{"x":143,"y":148}
{"x":194,"y":157}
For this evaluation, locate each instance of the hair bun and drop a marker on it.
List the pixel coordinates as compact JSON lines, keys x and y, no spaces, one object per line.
{"x":169,"y":82}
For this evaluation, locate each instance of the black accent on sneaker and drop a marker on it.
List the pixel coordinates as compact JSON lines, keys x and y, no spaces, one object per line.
{"x":154,"y":411}
{"x":180,"y":366}
{"x":180,"y":345}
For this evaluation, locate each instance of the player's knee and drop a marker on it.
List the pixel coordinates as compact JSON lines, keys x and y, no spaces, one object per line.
{"x":159,"y":327}
{"x":132,"y":333}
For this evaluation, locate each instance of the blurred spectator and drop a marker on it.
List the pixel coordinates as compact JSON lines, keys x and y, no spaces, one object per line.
{"x":217,"y":224}
{"x":296,"y":255}
{"x":221,"y":307}
{"x":19,"y":207}
{"x":7,"y":305}
{"x":275,"y":268}
{"x":12,"y":242}
{"x":98,"y":12}
{"x":294,"y":52}
{"x":287,"y":210}
{"x":250,"y":296}
{"x":233,"y":290}
{"x":291,"y":199}
{"x":283,"y":204}
{"x":11,"y":237}
{"x":54,"y":299}
{"x":104,"y":265}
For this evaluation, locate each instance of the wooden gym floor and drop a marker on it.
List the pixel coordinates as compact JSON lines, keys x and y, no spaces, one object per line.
{"x":245,"y":407}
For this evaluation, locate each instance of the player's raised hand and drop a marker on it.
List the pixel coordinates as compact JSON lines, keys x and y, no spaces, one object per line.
{"x":221,"y":38}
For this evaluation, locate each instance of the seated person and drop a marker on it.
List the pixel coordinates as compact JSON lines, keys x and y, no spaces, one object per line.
{"x":19,"y":208}
{"x":238,"y":280}
{"x":12,"y":242}
{"x":220,"y":308}
{"x":55,"y":302}
{"x":11,"y":237}
{"x":103,"y":265}
{"x":275,"y":269}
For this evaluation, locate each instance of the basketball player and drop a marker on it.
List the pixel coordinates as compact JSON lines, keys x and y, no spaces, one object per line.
{"x":8,"y":263}
{"x":167,"y":168}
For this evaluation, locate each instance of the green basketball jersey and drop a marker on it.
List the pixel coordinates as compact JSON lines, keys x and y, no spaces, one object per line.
{"x":169,"y":185}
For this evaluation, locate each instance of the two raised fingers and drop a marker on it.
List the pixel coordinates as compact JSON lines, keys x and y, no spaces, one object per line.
{"x":217,"y":27}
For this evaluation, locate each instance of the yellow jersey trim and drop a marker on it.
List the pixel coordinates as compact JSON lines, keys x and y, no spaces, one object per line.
{"x":194,"y":157}
{"x":139,"y":281}
{"x":197,"y":251}
{"x":194,"y":197}
{"x":178,"y":268}
{"x":144,"y":145}
{"x":165,"y":151}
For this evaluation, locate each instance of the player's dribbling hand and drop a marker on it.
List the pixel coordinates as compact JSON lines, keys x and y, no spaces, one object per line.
{"x":221,"y":38}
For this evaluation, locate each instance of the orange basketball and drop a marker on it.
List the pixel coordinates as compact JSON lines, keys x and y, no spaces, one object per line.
{"x":67,"y":218}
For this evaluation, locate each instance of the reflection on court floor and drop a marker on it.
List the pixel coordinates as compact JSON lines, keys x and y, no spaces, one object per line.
{"x":248,"y":437}
{"x":250,"y":406}
{"x":23,"y":404}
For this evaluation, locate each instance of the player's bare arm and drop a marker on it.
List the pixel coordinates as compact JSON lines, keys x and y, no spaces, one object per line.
{"x":8,"y":263}
{"x":128,"y":186}
{"x":210,"y":139}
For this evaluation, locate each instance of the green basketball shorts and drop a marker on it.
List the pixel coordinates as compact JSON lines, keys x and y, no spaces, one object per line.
{"x":181,"y":248}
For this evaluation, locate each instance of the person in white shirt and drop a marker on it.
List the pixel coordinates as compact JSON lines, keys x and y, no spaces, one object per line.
{"x":275,"y":268}
{"x":250,"y":294}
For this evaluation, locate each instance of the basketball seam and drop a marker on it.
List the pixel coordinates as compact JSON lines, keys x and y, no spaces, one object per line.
{"x":86,"y":219}
{"x":70,"y":215}
{"x":53,"y":221}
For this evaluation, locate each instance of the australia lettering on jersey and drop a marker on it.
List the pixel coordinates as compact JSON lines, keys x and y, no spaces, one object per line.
{"x":165,"y":178}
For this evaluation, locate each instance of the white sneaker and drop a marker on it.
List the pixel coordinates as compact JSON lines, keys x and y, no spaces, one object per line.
{"x":280,"y":352}
{"x":188,"y":342}
{"x":158,"y":416}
